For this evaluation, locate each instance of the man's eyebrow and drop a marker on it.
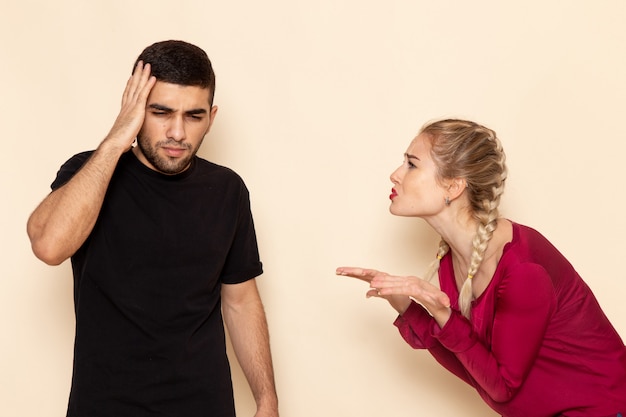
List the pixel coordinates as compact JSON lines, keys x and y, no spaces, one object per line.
{"x":409,"y":156}
{"x":160,"y":107}
{"x":163,"y":108}
{"x":196,"y":111}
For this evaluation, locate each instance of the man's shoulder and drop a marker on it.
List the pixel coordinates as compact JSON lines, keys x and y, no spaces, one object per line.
{"x":80,"y":158}
{"x":206,"y":167}
{"x":70,"y":167}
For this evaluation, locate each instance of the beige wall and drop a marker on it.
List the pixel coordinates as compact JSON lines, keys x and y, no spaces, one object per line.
{"x":318,"y":100}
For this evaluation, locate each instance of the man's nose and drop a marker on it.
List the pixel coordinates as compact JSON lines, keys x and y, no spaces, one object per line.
{"x":176,"y":129}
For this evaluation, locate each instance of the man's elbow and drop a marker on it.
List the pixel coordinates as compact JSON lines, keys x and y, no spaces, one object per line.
{"x":45,"y":249}
{"x":47,"y":253}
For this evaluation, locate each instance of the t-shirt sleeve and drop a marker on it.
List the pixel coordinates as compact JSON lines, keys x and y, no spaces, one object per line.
{"x":524,"y":303}
{"x":242,"y":262}
{"x":69,"y":168}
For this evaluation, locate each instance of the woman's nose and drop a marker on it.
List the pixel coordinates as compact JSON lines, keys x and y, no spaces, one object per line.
{"x":395,"y":176}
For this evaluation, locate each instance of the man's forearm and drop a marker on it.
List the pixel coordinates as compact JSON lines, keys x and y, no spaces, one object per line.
{"x":247,"y":326}
{"x":64,"y":219}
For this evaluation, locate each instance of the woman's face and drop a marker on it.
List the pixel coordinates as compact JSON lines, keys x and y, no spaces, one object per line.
{"x":416,"y":191}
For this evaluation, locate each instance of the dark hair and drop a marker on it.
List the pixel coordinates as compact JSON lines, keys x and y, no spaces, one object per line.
{"x":179,"y":62}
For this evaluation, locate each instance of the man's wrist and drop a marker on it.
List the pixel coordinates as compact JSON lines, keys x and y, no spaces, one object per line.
{"x":269,"y":405}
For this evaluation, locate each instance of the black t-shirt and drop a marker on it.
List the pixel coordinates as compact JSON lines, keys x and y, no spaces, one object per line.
{"x":149,"y":331}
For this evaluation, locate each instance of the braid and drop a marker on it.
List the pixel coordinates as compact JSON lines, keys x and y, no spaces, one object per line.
{"x":487,"y":223}
{"x":433,"y":268}
{"x":464,"y":149}
{"x":487,"y":217}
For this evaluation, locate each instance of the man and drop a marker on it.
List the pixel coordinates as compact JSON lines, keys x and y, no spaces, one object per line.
{"x":162,"y":245}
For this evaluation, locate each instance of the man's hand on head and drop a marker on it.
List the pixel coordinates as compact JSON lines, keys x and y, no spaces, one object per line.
{"x":133,"y":110}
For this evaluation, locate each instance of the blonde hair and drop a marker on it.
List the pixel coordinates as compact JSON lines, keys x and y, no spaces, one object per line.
{"x":464,"y":149}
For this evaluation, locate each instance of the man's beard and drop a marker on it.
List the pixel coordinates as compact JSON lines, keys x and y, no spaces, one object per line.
{"x":166,"y":165}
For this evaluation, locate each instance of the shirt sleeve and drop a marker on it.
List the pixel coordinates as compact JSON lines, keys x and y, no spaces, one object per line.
{"x":416,"y":327}
{"x":525,"y":300}
{"x":69,"y":168}
{"x":243,"y":262}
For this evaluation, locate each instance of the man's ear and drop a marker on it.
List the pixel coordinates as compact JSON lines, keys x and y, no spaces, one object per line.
{"x":212,"y":114}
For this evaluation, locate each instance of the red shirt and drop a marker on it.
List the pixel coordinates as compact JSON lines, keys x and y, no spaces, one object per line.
{"x":537,"y":344}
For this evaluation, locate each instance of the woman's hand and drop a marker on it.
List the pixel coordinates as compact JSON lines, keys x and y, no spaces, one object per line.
{"x":399,"y":302}
{"x":399,"y":290}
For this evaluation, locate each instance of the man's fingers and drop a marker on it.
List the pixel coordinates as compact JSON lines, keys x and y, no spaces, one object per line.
{"x":144,"y":78}
{"x":147,"y":87}
{"x":138,"y":85}
{"x":131,"y":86}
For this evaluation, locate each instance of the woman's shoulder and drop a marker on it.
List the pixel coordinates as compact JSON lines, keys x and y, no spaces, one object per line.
{"x":528,"y":246}
{"x":526,"y":235}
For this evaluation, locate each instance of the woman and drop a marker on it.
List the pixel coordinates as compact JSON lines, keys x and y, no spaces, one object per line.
{"x":511,"y":316}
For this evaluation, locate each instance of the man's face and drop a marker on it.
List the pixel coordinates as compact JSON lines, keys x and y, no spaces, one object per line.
{"x":177,"y":119}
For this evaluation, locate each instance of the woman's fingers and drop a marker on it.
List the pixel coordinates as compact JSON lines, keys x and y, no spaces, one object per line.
{"x":414,"y":287}
{"x":364,"y":274}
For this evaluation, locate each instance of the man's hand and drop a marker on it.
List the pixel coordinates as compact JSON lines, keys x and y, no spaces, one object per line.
{"x":133,"y":111}
{"x":64,"y":219}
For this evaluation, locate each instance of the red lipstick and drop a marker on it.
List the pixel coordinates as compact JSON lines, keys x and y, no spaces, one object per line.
{"x":393,"y":194}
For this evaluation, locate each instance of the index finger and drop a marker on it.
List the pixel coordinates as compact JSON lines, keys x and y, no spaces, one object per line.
{"x":137,"y":83}
{"x":355,"y":272}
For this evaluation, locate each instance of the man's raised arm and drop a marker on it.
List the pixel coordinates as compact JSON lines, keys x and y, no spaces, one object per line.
{"x":64,"y":219}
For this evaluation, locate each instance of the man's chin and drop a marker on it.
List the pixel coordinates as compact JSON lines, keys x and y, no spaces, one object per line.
{"x":169,"y":165}
{"x":173,"y":169}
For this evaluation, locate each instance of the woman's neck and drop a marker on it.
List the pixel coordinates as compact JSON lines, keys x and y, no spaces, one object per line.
{"x":458,"y":231}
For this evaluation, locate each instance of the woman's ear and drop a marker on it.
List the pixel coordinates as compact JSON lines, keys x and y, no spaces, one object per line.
{"x":456,"y":186}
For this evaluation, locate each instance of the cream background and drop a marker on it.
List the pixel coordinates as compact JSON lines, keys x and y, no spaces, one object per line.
{"x":318,"y":101}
